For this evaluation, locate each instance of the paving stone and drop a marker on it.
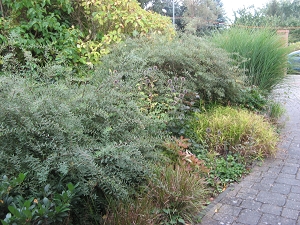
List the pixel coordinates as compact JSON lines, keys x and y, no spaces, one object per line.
{"x":224,"y":218}
{"x":275,"y":170}
{"x":250,"y":217}
{"x":268,"y":181}
{"x":291,"y":161}
{"x":295,"y":189}
{"x":287,"y":176}
{"x":281,"y":188}
{"x":298,"y":175}
{"x":262,"y":187}
{"x":290,"y":213}
{"x":209,"y":221}
{"x":251,"y":204}
{"x":294,"y":197}
{"x":249,"y":193}
{"x":269,"y":175}
{"x":286,"y":221}
{"x":229,"y":209}
{"x":290,"y":169}
{"x":290,"y":181}
{"x":292,"y":204}
{"x":269,"y":219}
{"x":234,"y":201}
{"x":271,"y":198}
{"x":271,"y":209}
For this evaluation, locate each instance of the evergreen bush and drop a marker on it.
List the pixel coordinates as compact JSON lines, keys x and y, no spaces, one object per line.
{"x":93,"y":136}
{"x":209,"y":70}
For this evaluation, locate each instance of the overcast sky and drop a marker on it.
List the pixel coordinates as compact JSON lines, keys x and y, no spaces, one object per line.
{"x":233,"y":5}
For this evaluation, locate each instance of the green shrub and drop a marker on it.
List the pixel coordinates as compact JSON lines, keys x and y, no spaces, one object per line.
{"x":208,"y":70}
{"x":81,"y":31}
{"x":95,"y":136}
{"x":45,"y":208}
{"x":225,"y":129}
{"x":264,"y":52}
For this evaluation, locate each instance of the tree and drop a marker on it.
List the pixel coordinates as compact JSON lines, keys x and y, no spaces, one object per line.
{"x":81,"y":30}
{"x":201,"y":15}
{"x":165,"y":8}
{"x":277,"y":14}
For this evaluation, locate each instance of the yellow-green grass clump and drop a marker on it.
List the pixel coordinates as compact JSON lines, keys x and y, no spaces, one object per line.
{"x":227,"y":129}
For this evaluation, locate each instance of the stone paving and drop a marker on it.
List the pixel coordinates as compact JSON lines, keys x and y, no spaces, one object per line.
{"x":270,"y":194}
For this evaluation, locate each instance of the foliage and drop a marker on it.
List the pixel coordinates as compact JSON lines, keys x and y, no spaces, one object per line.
{"x":225,"y":129}
{"x":81,"y":31}
{"x":223,"y":170}
{"x":178,"y":150}
{"x":254,"y":99}
{"x":8,"y":189}
{"x":275,"y":14}
{"x":95,"y":136}
{"x":49,"y":208}
{"x":173,"y":198}
{"x":201,"y":15}
{"x":117,"y":18}
{"x":209,"y":72}
{"x":275,"y":110}
{"x":264,"y":51}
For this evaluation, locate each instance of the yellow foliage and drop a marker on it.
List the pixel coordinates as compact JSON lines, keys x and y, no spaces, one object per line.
{"x":116,"y":20}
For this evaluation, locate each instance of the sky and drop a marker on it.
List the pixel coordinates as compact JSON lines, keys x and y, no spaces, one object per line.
{"x":233,"y":5}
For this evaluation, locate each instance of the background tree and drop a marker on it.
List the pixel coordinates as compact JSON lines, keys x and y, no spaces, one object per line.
{"x":202,"y":15}
{"x":277,"y":14}
{"x":165,"y":8}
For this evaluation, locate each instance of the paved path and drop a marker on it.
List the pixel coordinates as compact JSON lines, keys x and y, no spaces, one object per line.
{"x":271,"y":193}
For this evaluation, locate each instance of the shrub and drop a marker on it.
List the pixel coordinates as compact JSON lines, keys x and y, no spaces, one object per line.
{"x":208,"y":70}
{"x":95,"y":136}
{"x":225,"y":129}
{"x":81,"y":31}
{"x":264,"y":52}
{"x":45,"y":208}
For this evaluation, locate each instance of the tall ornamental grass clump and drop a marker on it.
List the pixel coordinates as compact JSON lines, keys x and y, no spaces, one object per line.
{"x":226,"y":129}
{"x":263,"y":51}
{"x":175,"y":196}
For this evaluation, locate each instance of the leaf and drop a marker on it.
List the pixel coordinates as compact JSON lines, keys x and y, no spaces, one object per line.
{"x":181,"y":221}
{"x":14,"y":211}
{"x":71,"y":187}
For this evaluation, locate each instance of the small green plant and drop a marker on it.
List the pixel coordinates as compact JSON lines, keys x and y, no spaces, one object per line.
{"x":8,"y":189}
{"x":224,"y":170}
{"x":50,"y":208}
{"x":275,"y":110}
{"x":253,"y":99}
